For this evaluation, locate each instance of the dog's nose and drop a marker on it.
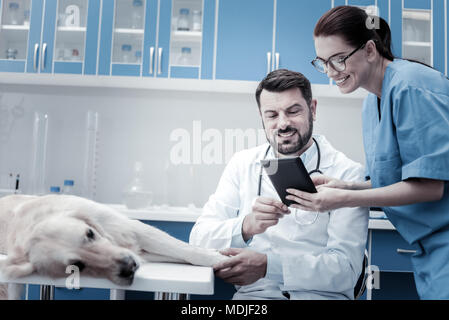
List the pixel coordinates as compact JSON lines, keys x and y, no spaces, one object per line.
{"x":128,"y":267}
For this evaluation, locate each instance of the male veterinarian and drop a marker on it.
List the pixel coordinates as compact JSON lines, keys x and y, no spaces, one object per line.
{"x":281,"y":252}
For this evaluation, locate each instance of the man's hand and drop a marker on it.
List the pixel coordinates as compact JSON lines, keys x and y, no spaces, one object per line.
{"x":243,"y":268}
{"x":266,"y":213}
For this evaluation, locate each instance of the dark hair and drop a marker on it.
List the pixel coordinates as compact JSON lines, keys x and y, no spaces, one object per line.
{"x":281,"y":80}
{"x":356,"y":27}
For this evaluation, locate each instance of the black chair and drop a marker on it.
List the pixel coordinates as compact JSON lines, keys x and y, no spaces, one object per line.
{"x":360,"y":286}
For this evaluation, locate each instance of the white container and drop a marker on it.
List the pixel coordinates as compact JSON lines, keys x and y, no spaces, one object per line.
{"x":126,"y":53}
{"x":196,"y":20}
{"x":135,"y":196}
{"x":14,"y":17}
{"x":185,"y":58}
{"x":183,"y":20}
{"x":68,"y":187}
{"x":137,"y":14}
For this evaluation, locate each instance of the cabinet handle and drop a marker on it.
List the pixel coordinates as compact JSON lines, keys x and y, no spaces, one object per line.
{"x":44,"y":55}
{"x":268,"y":62}
{"x":159,"y":63}
{"x":151,"y":59}
{"x":405,"y":251}
{"x":36,"y":50}
{"x":277,"y":56}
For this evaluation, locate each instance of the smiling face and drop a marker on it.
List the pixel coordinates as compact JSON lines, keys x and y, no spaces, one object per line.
{"x":355,"y":73}
{"x":288,"y":120}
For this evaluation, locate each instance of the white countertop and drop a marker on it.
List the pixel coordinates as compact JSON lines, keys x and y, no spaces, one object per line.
{"x":151,"y":277}
{"x":185,"y":214}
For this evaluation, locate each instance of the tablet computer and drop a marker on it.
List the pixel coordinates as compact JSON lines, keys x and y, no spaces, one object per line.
{"x":286,"y":173}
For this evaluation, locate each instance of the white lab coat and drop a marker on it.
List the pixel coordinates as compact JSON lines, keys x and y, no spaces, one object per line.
{"x":318,"y":261}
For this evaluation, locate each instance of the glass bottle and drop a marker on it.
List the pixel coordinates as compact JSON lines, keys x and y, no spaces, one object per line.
{"x":14,"y":13}
{"x":136,"y":16}
{"x":68,"y":187}
{"x":126,"y":53}
{"x":55,"y":190}
{"x":26,"y":17}
{"x":135,"y":195}
{"x":196,"y":20}
{"x":184,"y":59}
{"x":11,"y":54}
{"x":183,"y":20}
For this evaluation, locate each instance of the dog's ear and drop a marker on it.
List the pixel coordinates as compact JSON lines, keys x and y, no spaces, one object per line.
{"x":90,"y":221}
{"x":16,"y":266}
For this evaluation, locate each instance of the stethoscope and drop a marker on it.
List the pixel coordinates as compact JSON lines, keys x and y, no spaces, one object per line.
{"x":316,"y":170}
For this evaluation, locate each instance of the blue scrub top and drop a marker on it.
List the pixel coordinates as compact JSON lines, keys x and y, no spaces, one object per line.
{"x":410,"y":141}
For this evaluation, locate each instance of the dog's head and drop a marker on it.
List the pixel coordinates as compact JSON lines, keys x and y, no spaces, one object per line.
{"x":58,"y":244}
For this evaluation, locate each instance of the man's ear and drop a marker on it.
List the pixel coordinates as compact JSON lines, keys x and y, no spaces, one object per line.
{"x":16,"y":266}
{"x":313,"y":106}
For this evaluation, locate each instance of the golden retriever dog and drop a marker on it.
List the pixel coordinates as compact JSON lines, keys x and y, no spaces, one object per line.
{"x":46,"y":234}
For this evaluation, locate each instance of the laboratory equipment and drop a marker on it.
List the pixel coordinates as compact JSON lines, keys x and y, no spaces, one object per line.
{"x":185,"y":57}
{"x":135,"y":196}
{"x":183,"y":20}
{"x":136,"y":15}
{"x":68,"y":187}
{"x":126,"y":53}
{"x":91,"y":156}
{"x":39,"y":154}
{"x":55,"y":189}
{"x":11,"y":54}
{"x":14,"y":17}
{"x":196,"y":20}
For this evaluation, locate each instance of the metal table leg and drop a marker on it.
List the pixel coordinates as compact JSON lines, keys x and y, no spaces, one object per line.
{"x":47,"y":292}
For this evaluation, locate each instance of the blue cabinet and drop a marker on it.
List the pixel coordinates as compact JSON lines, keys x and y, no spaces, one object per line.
{"x":244,"y":39}
{"x":51,"y":36}
{"x":295,"y":47}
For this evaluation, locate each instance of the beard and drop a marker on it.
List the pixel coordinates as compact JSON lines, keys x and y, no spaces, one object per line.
{"x":293,"y":145}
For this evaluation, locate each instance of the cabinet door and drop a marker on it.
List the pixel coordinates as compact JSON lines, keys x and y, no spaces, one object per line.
{"x":163,"y":44}
{"x":76,"y":36}
{"x":34,"y":38}
{"x":15,"y":32}
{"x":48,"y":36}
{"x":439,"y":35}
{"x":294,"y":36}
{"x":244,"y":38}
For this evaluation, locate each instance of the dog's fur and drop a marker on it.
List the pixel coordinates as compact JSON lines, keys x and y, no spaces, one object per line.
{"x":46,"y":234}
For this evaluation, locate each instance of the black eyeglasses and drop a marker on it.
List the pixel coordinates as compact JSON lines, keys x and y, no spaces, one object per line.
{"x":337,"y":63}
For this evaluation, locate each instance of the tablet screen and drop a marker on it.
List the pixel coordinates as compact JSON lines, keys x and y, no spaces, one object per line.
{"x":288,"y":173}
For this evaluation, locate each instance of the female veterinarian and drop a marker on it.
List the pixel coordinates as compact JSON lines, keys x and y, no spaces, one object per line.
{"x":406,"y":139}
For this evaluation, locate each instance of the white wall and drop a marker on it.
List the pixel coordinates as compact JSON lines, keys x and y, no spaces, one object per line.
{"x":135,"y":125}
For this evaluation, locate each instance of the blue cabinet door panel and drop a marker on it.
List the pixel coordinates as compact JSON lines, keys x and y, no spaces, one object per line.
{"x":340,"y":3}
{"x":149,"y":39}
{"x":207,"y":55}
{"x":438,"y":35}
{"x":34,"y":37}
{"x":417,"y":4}
{"x":125,"y":70}
{"x":184,"y":72}
{"x":244,"y":37}
{"x":447,"y":38}
{"x":48,"y":36}
{"x":384,"y":12}
{"x":68,"y":67}
{"x":294,"y":36}
{"x":363,"y":3}
{"x":384,"y":252}
{"x":93,"y":23}
{"x":12,"y":66}
{"x":164,"y":35}
{"x":396,"y":27}
{"x":107,"y":24}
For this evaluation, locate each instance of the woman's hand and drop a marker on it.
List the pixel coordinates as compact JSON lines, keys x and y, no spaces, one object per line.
{"x":326,"y":199}
{"x":321,"y":180}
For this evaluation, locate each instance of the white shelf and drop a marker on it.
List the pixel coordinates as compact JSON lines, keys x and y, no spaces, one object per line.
{"x":129,"y":31}
{"x":72,"y":29}
{"x":15,"y":27}
{"x":186,"y":36}
{"x":193,"y":85}
{"x":417,"y":44}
